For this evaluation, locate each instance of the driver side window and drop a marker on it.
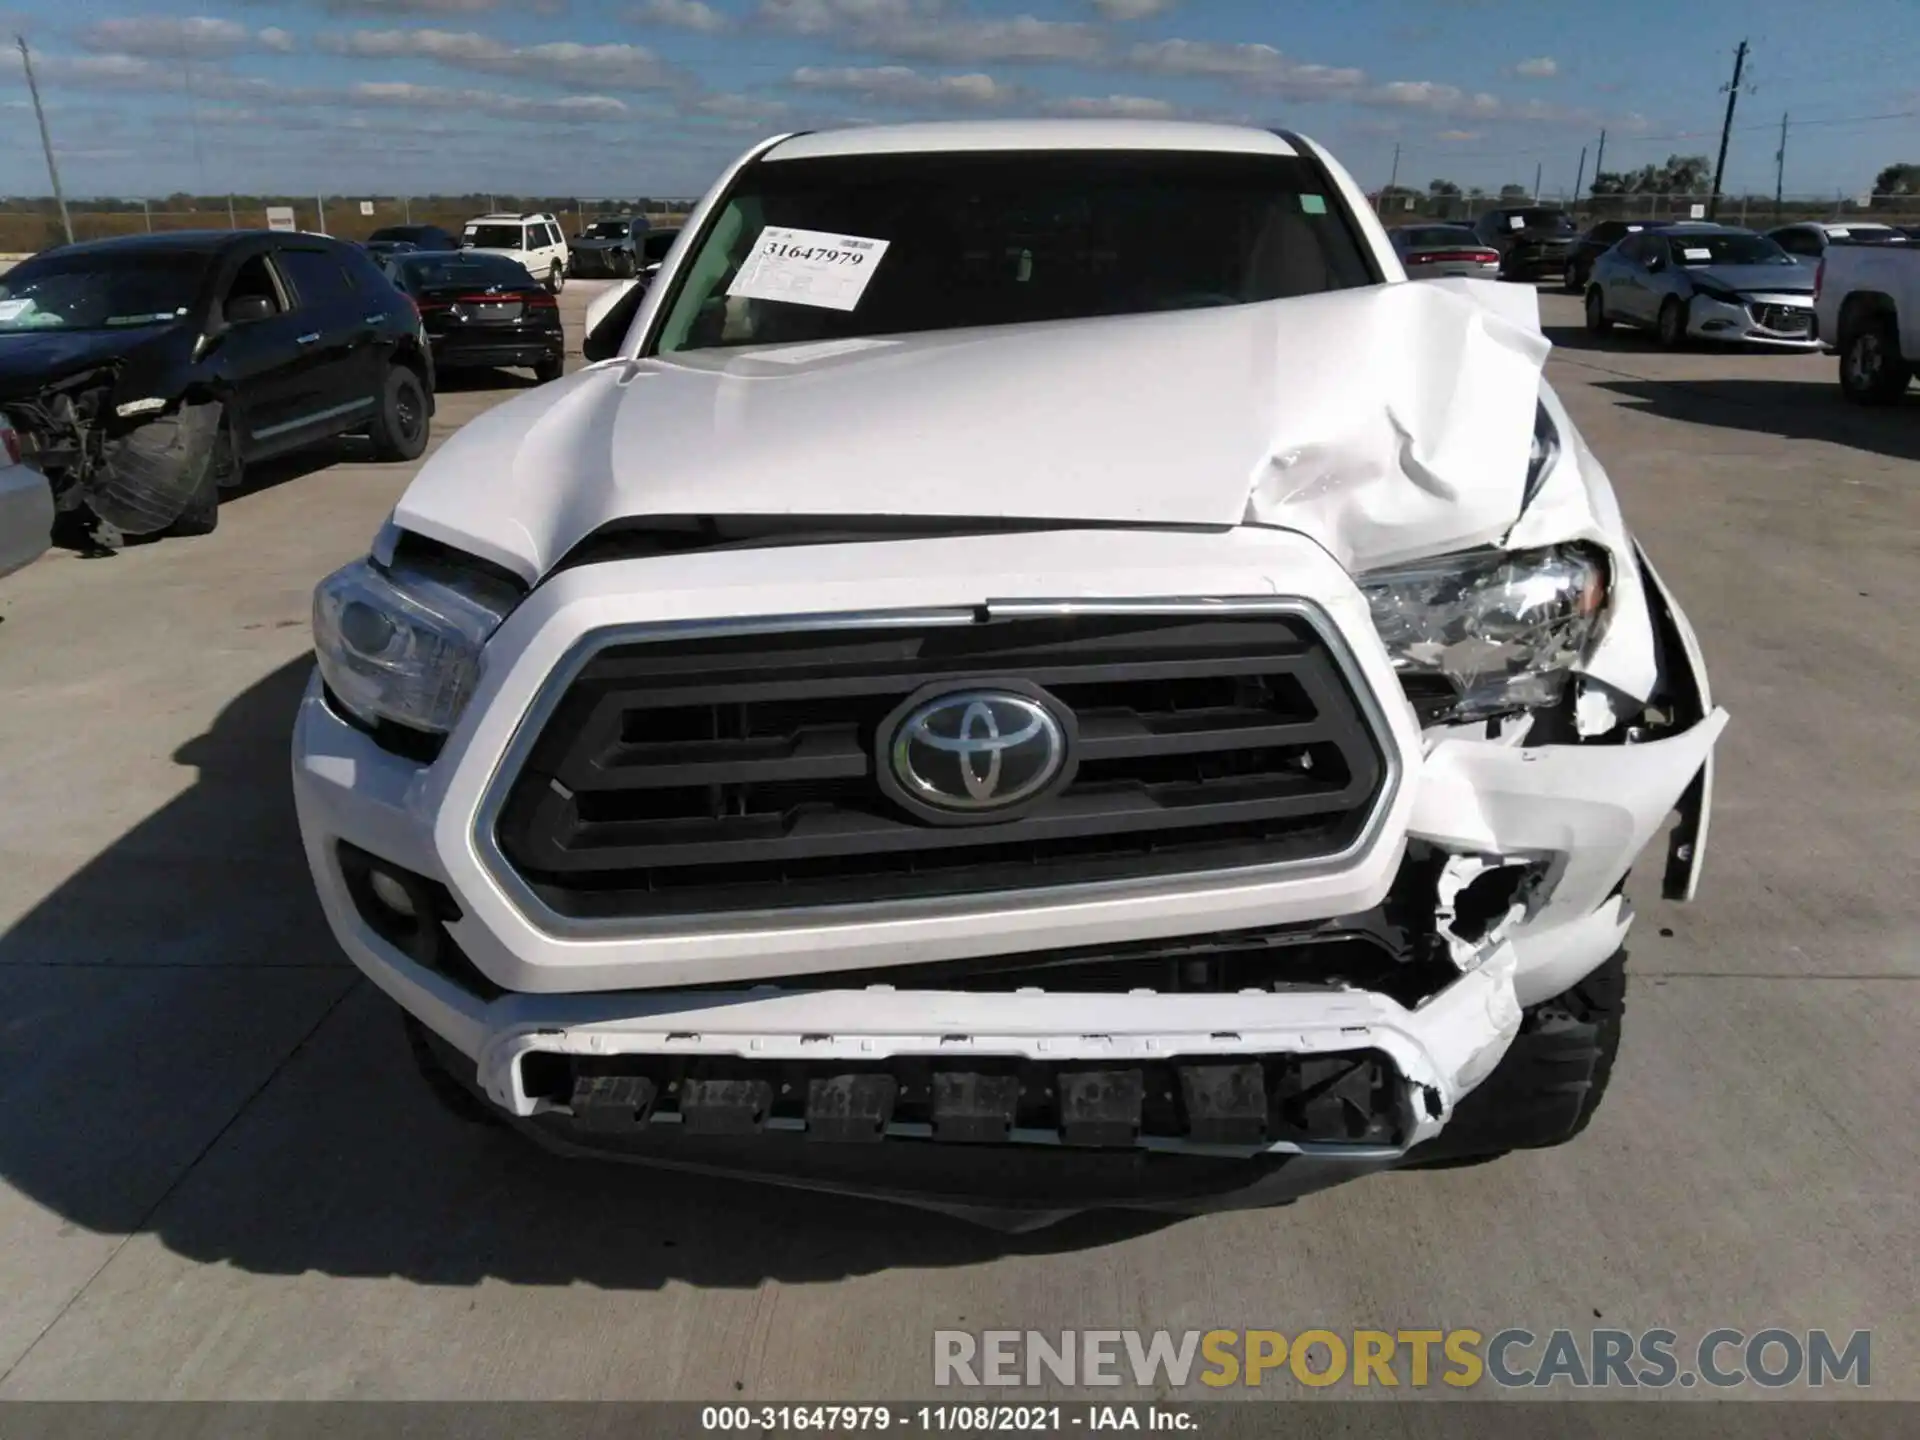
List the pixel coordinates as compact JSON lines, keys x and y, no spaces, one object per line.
{"x":255,"y":282}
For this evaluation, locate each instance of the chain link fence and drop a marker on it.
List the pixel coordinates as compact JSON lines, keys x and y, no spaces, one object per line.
{"x":1757,"y":212}
{"x":27,"y":226}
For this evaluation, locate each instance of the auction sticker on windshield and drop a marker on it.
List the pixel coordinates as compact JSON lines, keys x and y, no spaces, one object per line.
{"x":808,"y":267}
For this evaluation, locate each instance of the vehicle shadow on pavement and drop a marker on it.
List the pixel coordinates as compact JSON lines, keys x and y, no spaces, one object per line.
{"x":187,"y":1056}
{"x":1620,"y":339}
{"x":492,"y":377}
{"x":1793,"y":410}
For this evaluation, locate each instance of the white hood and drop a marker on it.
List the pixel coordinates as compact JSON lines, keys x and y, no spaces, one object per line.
{"x":1386,"y":423}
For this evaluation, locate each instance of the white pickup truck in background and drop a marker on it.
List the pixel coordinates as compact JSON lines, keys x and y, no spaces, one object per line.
{"x":1866,"y":301}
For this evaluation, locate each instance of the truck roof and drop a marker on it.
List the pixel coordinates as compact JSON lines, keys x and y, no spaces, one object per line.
{"x":953,"y":135}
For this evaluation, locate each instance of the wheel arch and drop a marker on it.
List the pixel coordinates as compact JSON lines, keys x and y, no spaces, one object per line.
{"x":1862,"y":306}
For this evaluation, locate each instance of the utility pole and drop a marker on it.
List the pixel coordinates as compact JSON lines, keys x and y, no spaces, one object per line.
{"x":1726,"y":130}
{"x":1537,"y":167}
{"x":46,"y":140}
{"x":1393,"y":180}
{"x":1780,"y":168}
{"x":1579,"y":178}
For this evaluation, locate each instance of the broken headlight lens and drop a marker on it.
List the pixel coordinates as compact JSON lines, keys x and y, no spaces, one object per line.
{"x":403,"y":643}
{"x":1500,"y":630}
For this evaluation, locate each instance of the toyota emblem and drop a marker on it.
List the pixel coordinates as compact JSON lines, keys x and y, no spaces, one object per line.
{"x":974,"y":754}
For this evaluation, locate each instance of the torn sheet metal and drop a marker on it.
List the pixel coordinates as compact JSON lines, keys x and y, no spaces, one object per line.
{"x":1388,"y":423}
{"x":1472,"y":936}
{"x":1595,"y":805}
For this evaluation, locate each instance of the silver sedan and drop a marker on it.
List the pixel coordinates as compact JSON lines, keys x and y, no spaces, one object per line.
{"x":1430,"y":250}
{"x":1704,"y":282}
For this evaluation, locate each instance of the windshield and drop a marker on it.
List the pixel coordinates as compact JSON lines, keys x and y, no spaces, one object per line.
{"x":100,"y":291}
{"x":1867,"y":235}
{"x":496,"y":237}
{"x":1539,"y":220}
{"x":435,"y":271}
{"x":1723,"y":247}
{"x":895,"y":244}
{"x":1435,"y":237}
{"x":606,"y":230}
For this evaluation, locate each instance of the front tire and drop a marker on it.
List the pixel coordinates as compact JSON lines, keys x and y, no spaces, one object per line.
{"x":400,"y":426}
{"x":1671,"y":328}
{"x":1598,"y":321}
{"x":1872,"y":371}
{"x":1550,"y":1082}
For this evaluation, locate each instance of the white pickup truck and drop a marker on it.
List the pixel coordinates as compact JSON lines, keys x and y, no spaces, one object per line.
{"x":1032,"y":672}
{"x":1866,"y":305}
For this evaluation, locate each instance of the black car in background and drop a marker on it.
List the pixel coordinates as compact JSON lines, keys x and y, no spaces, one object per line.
{"x":145,"y":373}
{"x":396,"y":239}
{"x":1600,"y":238}
{"x":609,"y":246}
{"x":1531,"y":239}
{"x":482,"y":310}
{"x":654,"y":246}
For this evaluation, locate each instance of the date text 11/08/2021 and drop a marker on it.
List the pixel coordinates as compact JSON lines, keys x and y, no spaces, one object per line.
{"x":934,"y":1419}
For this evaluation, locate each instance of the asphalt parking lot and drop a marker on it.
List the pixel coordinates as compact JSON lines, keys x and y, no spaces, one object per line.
{"x":220,"y":1177}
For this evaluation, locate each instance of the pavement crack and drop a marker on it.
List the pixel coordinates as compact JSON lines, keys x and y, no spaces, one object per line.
{"x":139,"y":1227}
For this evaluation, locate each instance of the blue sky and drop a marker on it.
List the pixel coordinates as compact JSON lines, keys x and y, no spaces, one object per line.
{"x":625,"y":97}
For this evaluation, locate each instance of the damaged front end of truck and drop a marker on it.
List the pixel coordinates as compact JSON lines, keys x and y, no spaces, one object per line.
{"x":1353,"y":734}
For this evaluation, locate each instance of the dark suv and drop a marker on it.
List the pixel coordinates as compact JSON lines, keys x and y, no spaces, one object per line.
{"x":145,"y":373}
{"x":1531,"y":239}
{"x":608,"y":246}
{"x":1599,"y":239}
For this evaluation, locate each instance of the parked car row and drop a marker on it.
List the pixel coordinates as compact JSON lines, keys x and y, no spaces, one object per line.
{"x":614,"y":246}
{"x":141,"y":376}
{"x":1852,"y":288}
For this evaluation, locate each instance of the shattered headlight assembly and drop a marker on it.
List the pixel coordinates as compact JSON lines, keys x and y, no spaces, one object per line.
{"x":402,"y":643}
{"x":1488,"y":632}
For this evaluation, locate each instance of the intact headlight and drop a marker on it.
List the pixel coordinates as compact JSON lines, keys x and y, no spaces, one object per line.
{"x":1491,"y":630}
{"x":402,"y":643}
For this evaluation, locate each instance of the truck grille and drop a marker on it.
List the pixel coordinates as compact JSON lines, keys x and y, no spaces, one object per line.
{"x":725,"y":774}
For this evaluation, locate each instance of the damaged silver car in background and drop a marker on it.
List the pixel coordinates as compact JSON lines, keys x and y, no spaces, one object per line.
{"x":145,"y":373}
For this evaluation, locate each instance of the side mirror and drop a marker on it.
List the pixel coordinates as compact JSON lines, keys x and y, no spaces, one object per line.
{"x":244,"y":309}
{"x":609,"y":317}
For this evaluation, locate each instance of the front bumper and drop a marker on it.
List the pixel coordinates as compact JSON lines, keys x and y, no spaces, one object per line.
{"x":1754,"y":323}
{"x":1580,"y":814}
{"x":462,"y":351}
{"x":584,"y":263}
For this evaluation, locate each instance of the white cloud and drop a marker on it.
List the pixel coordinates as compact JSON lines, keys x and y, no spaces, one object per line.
{"x":558,"y":62}
{"x":1460,"y":135}
{"x":898,"y":85}
{"x":747,"y":110}
{"x":402,"y":94}
{"x":196,"y":37}
{"x":1124,"y":10}
{"x":921,"y":30}
{"x":414,"y":7}
{"x":680,"y":15}
{"x":1542,"y":67}
{"x":1118,"y":107}
{"x":1256,"y":66}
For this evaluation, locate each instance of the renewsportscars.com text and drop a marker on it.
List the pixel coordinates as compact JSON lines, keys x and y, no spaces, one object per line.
{"x":1461,"y":1358}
